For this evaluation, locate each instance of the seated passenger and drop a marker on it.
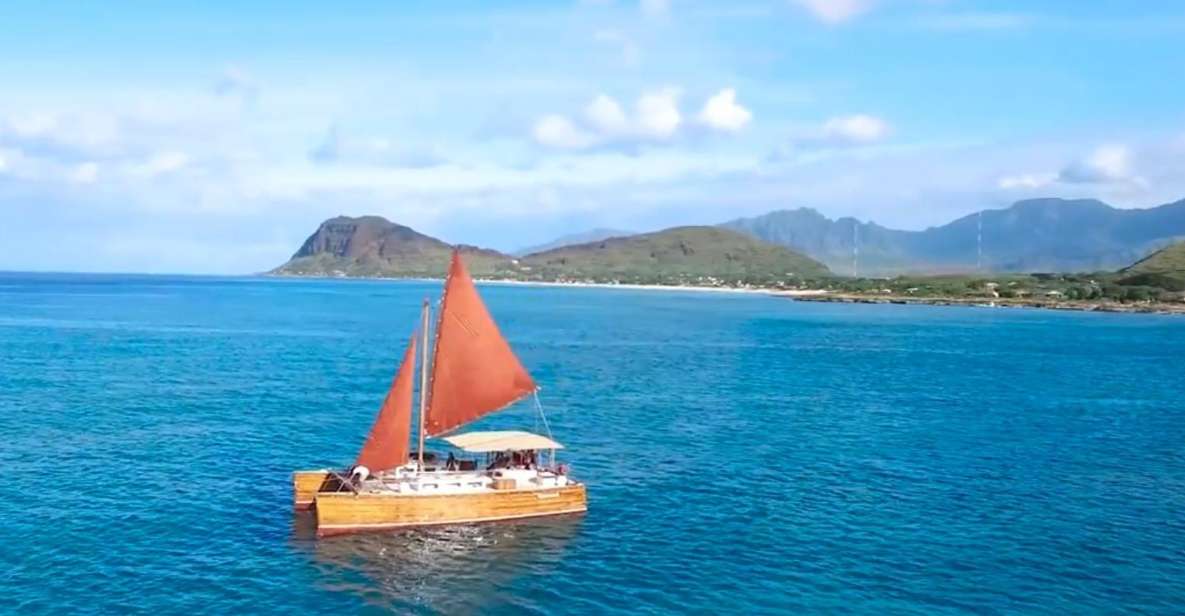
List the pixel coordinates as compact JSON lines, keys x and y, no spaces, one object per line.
{"x":500,"y":461}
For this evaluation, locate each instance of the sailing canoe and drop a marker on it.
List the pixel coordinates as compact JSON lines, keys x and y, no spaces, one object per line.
{"x":473,"y":373}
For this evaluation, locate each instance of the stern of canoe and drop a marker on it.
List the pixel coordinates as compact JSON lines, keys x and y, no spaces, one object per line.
{"x":305,"y":485}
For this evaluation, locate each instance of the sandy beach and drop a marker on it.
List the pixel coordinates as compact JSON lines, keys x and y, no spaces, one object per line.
{"x":657,"y":287}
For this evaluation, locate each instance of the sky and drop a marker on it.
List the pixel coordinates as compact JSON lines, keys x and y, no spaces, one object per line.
{"x":154,"y":137}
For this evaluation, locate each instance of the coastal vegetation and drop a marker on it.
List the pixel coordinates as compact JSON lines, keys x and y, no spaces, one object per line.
{"x":1098,"y":286}
{"x":1153,"y":284}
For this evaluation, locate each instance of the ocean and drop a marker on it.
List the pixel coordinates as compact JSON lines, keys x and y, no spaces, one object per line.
{"x":744,"y":454}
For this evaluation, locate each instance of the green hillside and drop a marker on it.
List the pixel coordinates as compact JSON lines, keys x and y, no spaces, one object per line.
{"x":1168,"y":260}
{"x":1164,"y":268}
{"x":681,"y":254}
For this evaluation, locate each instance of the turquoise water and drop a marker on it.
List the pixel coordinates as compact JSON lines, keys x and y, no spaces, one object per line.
{"x":745,"y":454}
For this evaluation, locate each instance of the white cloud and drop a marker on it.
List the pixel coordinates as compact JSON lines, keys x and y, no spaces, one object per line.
{"x":606,"y":116}
{"x":722,"y":112}
{"x":330,"y":148}
{"x":121,"y":146}
{"x":655,"y":118}
{"x":32,"y":124}
{"x":236,"y":81}
{"x":960,"y":22}
{"x":838,"y":132}
{"x":556,"y":131}
{"x":86,"y":173}
{"x":631,"y":53}
{"x":1026,"y":181}
{"x":835,"y":11}
{"x":68,"y":137}
{"x":161,"y":163}
{"x":1107,"y":171}
{"x":1107,"y":163}
{"x":658,"y":113}
{"x":856,"y":132}
{"x":655,"y":8}
{"x":16,"y":164}
{"x":855,"y":129}
{"x":375,"y":151}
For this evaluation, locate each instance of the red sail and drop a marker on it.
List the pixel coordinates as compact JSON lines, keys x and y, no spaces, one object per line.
{"x":386,"y":447}
{"x":474,"y":372}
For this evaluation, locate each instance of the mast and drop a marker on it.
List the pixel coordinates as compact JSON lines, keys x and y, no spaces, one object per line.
{"x":423,"y":383}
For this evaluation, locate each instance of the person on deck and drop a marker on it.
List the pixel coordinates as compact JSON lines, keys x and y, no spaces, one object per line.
{"x":500,"y":461}
{"x":359,"y":474}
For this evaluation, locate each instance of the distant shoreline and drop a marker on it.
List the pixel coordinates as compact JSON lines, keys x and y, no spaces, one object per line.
{"x":578,"y":285}
{"x":825,"y":296}
{"x":980,"y":302}
{"x":818,"y":295}
{"x":654,"y":287}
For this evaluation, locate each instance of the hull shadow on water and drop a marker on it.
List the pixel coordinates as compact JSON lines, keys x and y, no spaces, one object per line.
{"x":448,"y":569}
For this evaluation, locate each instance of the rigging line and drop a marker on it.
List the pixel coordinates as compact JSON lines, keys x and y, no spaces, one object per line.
{"x":542,"y":415}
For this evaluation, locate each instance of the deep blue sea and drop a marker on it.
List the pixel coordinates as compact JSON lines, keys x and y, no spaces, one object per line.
{"x":745,"y":454}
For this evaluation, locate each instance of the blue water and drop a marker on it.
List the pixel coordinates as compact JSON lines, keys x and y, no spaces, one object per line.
{"x":745,"y":454}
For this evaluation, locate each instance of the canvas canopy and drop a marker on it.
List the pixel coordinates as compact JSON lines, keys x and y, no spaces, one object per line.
{"x":500,"y":440}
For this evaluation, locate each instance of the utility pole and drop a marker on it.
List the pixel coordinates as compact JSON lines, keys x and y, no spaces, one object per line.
{"x":979,"y":242}
{"x":855,"y":248}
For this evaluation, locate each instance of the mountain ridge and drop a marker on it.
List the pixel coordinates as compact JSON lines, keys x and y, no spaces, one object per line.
{"x":1033,"y":235}
{"x":1047,"y":234}
{"x":571,"y":239}
{"x":372,"y":246}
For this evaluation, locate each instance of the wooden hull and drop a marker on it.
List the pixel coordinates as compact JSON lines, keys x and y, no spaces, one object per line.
{"x":305,"y":485}
{"x":344,"y":512}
